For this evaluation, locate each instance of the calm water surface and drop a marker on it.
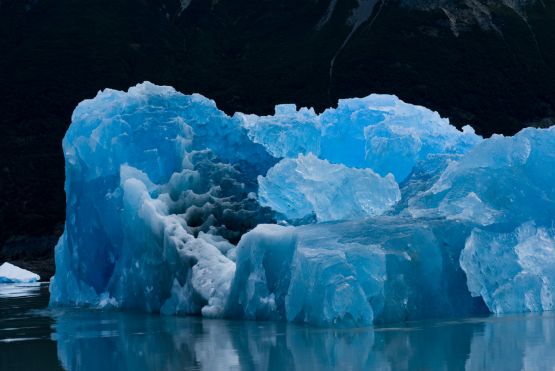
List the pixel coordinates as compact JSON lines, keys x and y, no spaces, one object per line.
{"x":33,"y":337}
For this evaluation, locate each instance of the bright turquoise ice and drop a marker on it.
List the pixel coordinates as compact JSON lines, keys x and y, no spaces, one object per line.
{"x":512,"y":272}
{"x":376,"y":211}
{"x":306,"y":186}
{"x":379,"y":132}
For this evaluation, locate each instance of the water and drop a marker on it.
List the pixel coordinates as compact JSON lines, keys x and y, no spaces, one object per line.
{"x":35,"y":338}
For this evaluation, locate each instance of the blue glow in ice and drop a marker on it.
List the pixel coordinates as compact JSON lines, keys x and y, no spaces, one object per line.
{"x":307,"y":186}
{"x":175,"y":207}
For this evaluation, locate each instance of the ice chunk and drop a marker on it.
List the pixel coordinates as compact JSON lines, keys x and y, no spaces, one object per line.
{"x":502,"y":180}
{"x":287,"y":133}
{"x":403,"y":140}
{"x":512,"y":272}
{"x":352,"y":273}
{"x":306,"y":185}
{"x":260,"y":285}
{"x":379,"y":132}
{"x":9,"y":273}
{"x":147,"y":172}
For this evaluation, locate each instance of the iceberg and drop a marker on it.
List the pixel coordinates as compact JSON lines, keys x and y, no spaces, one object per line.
{"x":9,"y":273}
{"x":372,"y":212}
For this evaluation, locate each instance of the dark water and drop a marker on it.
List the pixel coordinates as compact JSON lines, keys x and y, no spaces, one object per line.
{"x":35,"y":338}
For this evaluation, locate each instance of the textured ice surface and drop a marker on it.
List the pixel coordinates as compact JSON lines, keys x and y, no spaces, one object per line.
{"x":147,"y":172}
{"x":379,"y":132}
{"x":513,"y":272}
{"x":502,"y":180}
{"x":175,"y":207}
{"x":352,"y":273}
{"x":9,"y":273}
{"x":307,"y":186}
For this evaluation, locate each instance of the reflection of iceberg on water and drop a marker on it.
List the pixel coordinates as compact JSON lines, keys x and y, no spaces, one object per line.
{"x":92,"y":340}
{"x":372,"y":212}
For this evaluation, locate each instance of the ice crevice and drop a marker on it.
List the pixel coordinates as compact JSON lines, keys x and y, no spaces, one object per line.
{"x":375,"y":211}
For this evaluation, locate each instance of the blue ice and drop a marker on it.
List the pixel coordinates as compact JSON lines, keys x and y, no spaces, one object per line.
{"x":375,"y":211}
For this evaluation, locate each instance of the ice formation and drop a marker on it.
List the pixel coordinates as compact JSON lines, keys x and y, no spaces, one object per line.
{"x":305,"y":186}
{"x":375,"y":211}
{"x":504,"y":180}
{"x":9,"y":273}
{"x":512,"y":272}
{"x":351,"y":273}
{"x":379,"y":132}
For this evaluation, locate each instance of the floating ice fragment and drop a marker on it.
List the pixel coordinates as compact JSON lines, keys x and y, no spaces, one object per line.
{"x":9,"y":273}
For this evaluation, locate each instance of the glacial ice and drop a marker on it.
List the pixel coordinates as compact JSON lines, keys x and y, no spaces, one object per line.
{"x":307,"y":186}
{"x":375,"y":211}
{"x":505,"y":180}
{"x":10,"y":273}
{"x":352,"y":273}
{"x":379,"y":132}
{"x":512,"y":272}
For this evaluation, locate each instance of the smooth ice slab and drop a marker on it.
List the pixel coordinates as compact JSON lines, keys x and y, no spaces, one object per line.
{"x":9,"y":273}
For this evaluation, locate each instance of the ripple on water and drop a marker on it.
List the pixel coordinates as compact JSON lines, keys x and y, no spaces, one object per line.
{"x":20,"y":290}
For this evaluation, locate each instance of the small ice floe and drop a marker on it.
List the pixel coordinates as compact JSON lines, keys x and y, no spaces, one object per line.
{"x":9,"y":273}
